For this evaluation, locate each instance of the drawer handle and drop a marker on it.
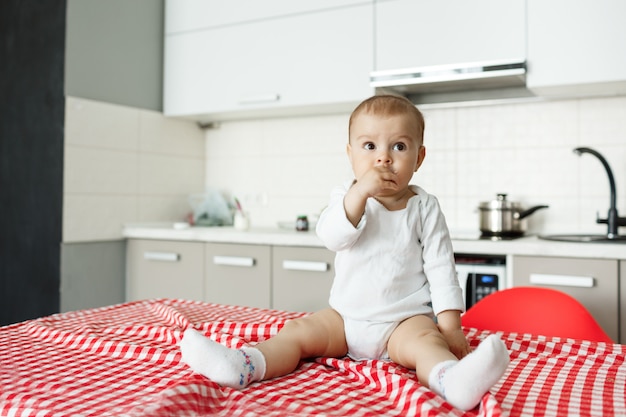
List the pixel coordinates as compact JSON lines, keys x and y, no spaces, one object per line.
{"x":233,"y":261}
{"x":305,"y":266}
{"x":259,"y":99}
{"x":562,"y":280}
{"x":162,"y":256}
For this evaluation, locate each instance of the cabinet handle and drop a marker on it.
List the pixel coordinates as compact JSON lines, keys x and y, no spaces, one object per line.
{"x":258,"y":99}
{"x":305,"y":266}
{"x":162,"y":256}
{"x":233,"y":261}
{"x":562,"y":280}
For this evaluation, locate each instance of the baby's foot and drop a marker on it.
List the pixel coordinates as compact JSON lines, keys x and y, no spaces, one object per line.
{"x":463,"y":383}
{"x":235,"y":368}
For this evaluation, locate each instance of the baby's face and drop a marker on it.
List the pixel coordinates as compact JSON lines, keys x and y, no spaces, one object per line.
{"x":385,"y":141}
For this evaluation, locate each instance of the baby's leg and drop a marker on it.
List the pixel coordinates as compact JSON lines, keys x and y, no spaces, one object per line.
{"x":418,"y":344}
{"x":320,"y":334}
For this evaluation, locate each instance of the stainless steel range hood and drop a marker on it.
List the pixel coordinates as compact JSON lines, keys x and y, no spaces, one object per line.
{"x":452,"y":83}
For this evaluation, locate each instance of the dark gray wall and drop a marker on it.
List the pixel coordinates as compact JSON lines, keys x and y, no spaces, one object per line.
{"x":32,"y":51}
{"x":114,"y":51}
{"x":93,"y":274}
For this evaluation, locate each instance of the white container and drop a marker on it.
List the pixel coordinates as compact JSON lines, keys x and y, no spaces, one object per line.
{"x":241,"y":220}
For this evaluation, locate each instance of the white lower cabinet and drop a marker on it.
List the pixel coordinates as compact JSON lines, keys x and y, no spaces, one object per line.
{"x":238,"y":274}
{"x":593,"y":282}
{"x":301,"y":278}
{"x":164,"y":269}
{"x":264,"y":276}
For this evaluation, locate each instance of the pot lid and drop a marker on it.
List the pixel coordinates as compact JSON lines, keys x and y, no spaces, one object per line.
{"x":500,"y":203}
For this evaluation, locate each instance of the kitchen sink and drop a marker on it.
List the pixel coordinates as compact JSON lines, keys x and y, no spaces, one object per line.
{"x":588,"y":238}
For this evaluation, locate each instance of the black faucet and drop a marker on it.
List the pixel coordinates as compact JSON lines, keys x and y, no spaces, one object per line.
{"x":612,"y":220}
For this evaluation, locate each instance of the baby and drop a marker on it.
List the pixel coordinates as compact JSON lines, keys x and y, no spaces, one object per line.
{"x":395,"y":295}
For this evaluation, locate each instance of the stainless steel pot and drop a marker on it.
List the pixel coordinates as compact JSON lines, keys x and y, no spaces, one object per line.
{"x":504,"y":218}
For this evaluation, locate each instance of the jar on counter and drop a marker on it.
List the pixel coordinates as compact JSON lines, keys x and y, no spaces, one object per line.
{"x":302,"y":224}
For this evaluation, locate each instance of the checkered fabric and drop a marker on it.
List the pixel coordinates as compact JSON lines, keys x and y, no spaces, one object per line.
{"x":123,"y":360}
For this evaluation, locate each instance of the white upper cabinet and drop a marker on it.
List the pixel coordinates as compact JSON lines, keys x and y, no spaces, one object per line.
{"x":294,"y":64}
{"x":423,"y":33}
{"x":245,"y":59}
{"x":577,"y":47}
{"x":188,"y":15}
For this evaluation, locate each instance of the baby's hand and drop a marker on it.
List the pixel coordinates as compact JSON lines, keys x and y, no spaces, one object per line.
{"x":456,"y":342}
{"x":376,"y":181}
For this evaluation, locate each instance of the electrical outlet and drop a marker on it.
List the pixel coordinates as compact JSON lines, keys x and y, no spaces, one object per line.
{"x":252,"y":200}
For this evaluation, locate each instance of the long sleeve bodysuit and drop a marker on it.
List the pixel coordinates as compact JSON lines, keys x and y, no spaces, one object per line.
{"x":394,"y":264}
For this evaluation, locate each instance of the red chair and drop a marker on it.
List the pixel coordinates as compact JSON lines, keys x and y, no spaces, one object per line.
{"x":534,"y":310}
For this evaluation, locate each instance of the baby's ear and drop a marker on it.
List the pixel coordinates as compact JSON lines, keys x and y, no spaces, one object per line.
{"x":421,"y":154}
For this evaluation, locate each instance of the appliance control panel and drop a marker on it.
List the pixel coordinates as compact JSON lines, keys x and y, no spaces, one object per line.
{"x":479,"y":286}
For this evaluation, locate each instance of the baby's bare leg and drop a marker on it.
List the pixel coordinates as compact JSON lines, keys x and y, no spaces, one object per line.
{"x":320,"y":334}
{"x":419,"y":345}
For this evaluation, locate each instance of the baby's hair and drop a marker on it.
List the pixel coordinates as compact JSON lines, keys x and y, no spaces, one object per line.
{"x":390,"y":105}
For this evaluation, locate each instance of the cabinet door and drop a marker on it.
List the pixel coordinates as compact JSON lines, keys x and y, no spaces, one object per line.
{"x":593,"y":282}
{"x":302,"y":278}
{"x":238,"y":274}
{"x":418,"y":33}
{"x":186,"y":15}
{"x":164,"y":269}
{"x":576,"y":47}
{"x":265,"y":67}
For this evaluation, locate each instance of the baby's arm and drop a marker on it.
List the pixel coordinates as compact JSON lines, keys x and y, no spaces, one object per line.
{"x":449,"y":323}
{"x":373,"y":182}
{"x":333,"y":227}
{"x":354,"y":204}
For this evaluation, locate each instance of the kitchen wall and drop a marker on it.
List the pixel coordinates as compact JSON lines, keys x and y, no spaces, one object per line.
{"x":280,"y":168}
{"x":122,"y":165}
{"x":113,"y":54}
{"x":115,"y":51}
{"x":126,"y":164}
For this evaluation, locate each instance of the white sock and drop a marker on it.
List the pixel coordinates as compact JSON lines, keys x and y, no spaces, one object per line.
{"x":235,"y":368}
{"x":463,"y":383}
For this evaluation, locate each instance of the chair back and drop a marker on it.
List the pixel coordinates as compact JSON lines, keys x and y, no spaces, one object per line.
{"x":535,"y":310}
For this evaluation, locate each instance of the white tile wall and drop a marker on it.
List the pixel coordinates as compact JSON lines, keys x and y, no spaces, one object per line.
{"x":126,"y":165}
{"x":280,"y":168}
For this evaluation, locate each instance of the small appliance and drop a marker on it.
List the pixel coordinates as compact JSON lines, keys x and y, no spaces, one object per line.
{"x":480,"y":275}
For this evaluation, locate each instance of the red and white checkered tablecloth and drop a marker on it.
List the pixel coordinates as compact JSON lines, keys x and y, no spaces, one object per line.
{"x":123,"y":360}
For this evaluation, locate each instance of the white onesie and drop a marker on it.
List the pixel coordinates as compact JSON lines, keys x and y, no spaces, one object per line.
{"x":392,"y":266}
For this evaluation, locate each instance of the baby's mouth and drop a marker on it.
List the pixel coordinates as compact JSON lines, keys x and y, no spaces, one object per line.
{"x":390,"y":169}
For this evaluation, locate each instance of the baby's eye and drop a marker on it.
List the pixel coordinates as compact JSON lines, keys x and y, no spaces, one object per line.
{"x":369,"y":146}
{"x":399,"y":147}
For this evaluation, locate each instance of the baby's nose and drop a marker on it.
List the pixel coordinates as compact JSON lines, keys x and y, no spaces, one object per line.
{"x":383,"y":159}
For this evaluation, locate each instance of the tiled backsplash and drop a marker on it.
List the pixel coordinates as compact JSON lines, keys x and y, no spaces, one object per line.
{"x":126,"y":165}
{"x":280,"y":168}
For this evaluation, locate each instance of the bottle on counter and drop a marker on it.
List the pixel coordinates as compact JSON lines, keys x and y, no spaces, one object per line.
{"x":302,"y":224}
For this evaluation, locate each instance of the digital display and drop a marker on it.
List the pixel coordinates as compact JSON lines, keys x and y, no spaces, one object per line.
{"x":488,"y":279}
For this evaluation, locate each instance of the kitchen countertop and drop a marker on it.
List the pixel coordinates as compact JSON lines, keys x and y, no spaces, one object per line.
{"x":530,"y":245}
{"x":255,"y":235}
